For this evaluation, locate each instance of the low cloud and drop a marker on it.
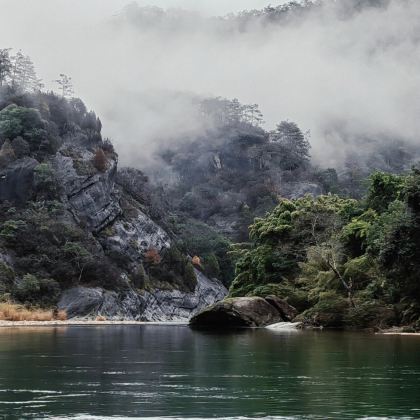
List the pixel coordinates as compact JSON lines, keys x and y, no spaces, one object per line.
{"x":346,"y":71}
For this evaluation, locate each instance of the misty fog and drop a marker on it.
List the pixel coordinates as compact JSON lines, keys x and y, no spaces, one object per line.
{"x":343,"y":76}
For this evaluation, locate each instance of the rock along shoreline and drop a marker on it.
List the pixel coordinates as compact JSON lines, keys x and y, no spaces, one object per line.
{"x":84,"y":323}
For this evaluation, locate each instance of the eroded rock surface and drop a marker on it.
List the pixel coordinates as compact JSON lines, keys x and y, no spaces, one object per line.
{"x":237,"y":313}
{"x":93,"y":198}
{"x":17,"y":181}
{"x":174,"y":305}
{"x":158,"y":305}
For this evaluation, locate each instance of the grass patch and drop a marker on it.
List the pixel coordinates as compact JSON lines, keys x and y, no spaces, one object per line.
{"x":12,"y":312}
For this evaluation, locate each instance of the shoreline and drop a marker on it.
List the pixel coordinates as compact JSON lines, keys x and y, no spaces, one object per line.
{"x":95,"y":323}
{"x":84,"y":323}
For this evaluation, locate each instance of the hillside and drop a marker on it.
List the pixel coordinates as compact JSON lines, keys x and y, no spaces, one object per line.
{"x":77,"y":233}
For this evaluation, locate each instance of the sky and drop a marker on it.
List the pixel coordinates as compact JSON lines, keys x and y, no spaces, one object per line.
{"x":342,"y":79}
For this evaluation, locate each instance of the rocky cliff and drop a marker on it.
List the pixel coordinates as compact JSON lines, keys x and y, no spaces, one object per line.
{"x":76,"y":233}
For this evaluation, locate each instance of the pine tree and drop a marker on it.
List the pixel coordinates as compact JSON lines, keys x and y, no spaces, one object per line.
{"x":294,"y":145}
{"x":65,"y":85}
{"x":22,"y":73}
{"x":5,"y":65}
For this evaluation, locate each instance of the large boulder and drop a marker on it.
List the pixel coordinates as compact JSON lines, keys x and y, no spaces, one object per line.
{"x":288,"y":312}
{"x":238,"y":313}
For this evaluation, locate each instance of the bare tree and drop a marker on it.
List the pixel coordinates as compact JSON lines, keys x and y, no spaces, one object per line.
{"x":65,"y":85}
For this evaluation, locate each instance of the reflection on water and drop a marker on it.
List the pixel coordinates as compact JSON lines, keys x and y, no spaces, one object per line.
{"x":171,"y":371}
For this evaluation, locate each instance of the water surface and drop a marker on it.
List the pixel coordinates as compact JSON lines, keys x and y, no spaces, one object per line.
{"x":171,"y":371}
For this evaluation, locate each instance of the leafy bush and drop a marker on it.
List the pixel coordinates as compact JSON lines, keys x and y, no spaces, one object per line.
{"x":33,"y":290}
{"x":7,"y":277}
{"x":20,"y":121}
{"x":190,"y":277}
{"x":329,"y":311}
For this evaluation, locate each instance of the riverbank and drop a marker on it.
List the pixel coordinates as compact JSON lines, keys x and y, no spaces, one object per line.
{"x":398,"y":331}
{"x":82,"y":322}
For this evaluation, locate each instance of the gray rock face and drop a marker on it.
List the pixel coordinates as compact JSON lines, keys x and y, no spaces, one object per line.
{"x":160,"y":305}
{"x":288,"y":312}
{"x":238,"y":313}
{"x":93,"y":199}
{"x":174,"y":305}
{"x":17,"y":181}
{"x":133,"y":237}
{"x":300,"y":189}
{"x":91,"y":302}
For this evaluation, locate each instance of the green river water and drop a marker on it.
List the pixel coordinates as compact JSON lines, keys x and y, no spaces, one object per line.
{"x":171,"y":371}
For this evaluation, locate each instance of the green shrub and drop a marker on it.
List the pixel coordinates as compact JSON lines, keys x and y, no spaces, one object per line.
{"x":7,"y":277}
{"x":329,"y":311}
{"x":39,"y":291}
{"x":139,"y":278}
{"x":190,"y":277}
{"x":20,"y":121}
{"x":370,"y":314}
{"x":291,"y":294}
{"x":211,"y":265}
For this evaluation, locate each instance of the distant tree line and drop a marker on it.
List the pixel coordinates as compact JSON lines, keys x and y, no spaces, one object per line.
{"x":18,"y":72}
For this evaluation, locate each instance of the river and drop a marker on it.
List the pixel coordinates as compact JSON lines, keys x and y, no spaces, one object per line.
{"x":171,"y":371}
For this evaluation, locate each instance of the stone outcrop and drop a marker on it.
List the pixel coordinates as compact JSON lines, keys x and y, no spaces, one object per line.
{"x":135,"y":236}
{"x":91,"y":302}
{"x":157,"y":305}
{"x":243,"y":312}
{"x":288,"y":312}
{"x":174,"y":305}
{"x":113,"y":222}
{"x":93,"y":199}
{"x":17,"y":181}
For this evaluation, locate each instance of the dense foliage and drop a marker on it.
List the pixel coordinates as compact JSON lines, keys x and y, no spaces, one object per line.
{"x":343,"y":262}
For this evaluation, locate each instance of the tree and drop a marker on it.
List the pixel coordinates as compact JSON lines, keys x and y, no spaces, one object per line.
{"x":20,"y":147}
{"x":65,"y":85}
{"x":253,"y":115}
{"x":7,"y":153}
{"x":234,"y":111}
{"x":294,"y":144}
{"x":328,"y":248}
{"x":22,"y":73}
{"x":211,"y":265}
{"x":78,"y":255}
{"x":384,"y":189}
{"x":190,"y":278}
{"x":100,"y":161}
{"x":5,"y":65}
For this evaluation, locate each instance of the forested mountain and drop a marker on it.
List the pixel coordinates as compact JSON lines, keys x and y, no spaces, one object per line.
{"x":76,"y":232}
{"x":235,"y":204}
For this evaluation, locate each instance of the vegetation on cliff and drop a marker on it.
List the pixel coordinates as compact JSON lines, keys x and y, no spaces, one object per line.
{"x":66,"y":217}
{"x":343,"y":251}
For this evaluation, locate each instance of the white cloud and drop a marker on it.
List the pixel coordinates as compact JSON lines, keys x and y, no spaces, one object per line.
{"x":360,"y":73}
